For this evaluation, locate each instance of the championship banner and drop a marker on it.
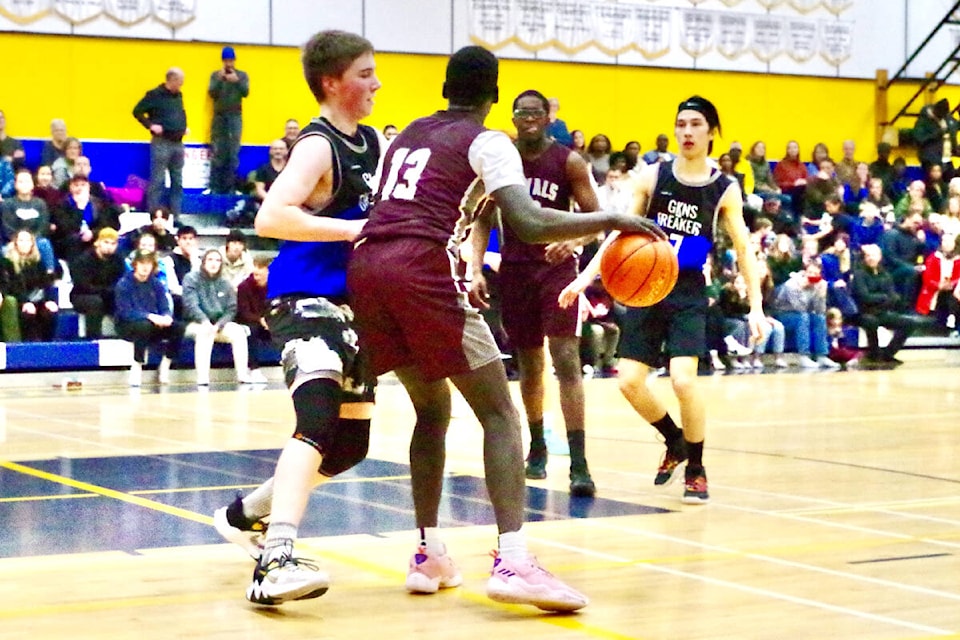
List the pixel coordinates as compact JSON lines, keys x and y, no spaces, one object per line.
{"x":836,"y":7}
{"x":770,"y":4}
{"x":733,"y":35}
{"x":801,"y":40}
{"x":653,"y":31}
{"x":490,"y":24}
{"x":767,"y":37}
{"x":196,"y":167}
{"x":836,"y":41}
{"x":804,"y":6}
{"x":614,"y":28}
{"x":24,"y":11}
{"x":175,"y":13}
{"x":78,"y":11}
{"x":697,"y":31}
{"x":573,"y":24}
{"x":731,"y":3}
{"x":128,"y":12}
{"x":533,"y":24}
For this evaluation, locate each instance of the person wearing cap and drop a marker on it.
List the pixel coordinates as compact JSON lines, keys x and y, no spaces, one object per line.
{"x":228,"y":87}
{"x":237,"y":261}
{"x":95,"y":273}
{"x":687,"y":197}
{"x":161,"y":112}
{"x":413,"y":317}
{"x":78,"y":218}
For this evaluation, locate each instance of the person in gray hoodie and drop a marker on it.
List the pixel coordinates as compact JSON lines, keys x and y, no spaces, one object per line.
{"x":210,"y":306}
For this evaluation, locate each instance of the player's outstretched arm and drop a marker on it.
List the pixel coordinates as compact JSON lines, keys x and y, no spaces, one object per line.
{"x":731,"y":210}
{"x":282,"y":213}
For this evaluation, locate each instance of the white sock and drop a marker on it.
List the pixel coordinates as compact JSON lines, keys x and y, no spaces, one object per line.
{"x":513,"y":545}
{"x":257,"y":504}
{"x":280,"y":539}
{"x":430,"y":538}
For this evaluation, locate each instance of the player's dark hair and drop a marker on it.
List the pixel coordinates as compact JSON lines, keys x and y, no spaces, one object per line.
{"x":471,"y":78}
{"x":709,"y":111}
{"x":532,"y":93}
{"x":328,"y":54}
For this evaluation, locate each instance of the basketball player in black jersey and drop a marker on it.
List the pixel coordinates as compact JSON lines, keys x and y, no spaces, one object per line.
{"x":686,"y":197}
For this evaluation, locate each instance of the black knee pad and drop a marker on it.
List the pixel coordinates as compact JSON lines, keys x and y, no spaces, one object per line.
{"x":347,"y":448}
{"x":317,"y":405}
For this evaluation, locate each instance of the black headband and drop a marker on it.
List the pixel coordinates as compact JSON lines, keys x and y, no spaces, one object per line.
{"x":703,"y":106}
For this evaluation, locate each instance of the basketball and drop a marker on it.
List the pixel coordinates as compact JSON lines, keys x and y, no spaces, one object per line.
{"x":638,"y":270}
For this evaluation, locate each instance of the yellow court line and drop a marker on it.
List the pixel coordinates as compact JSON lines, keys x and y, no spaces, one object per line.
{"x":107,"y":493}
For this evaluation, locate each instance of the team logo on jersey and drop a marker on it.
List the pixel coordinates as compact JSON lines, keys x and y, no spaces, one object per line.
{"x":364,"y":200}
{"x":543,"y":188}
{"x":682,"y":217}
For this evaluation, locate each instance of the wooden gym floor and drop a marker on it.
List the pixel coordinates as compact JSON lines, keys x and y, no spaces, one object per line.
{"x":835,"y":514}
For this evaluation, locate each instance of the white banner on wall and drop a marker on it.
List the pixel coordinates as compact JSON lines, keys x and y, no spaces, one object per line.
{"x":615,"y":28}
{"x":733,"y":35}
{"x":836,"y":41}
{"x":767,"y":38}
{"x":78,"y":11}
{"x":653,"y":31}
{"x":128,"y":12}
{"x":804,"y":6}
{"x":573,"y":25}
{"x":801,"y":40}
{"x":490,"y":23}
{"x":24,"y":11}
{"x":175,"y":13}
{"x":697,"y":29}
{"x":837,"y":6}
{"x":533,"y":22}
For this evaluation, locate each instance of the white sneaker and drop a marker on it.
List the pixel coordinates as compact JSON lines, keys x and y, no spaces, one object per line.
{"x":249,"y":532}
{"x":735,"y":348}
{"x":286,"y":578}
{"x":526,"y":582}
{"x":203,"y":381}
{"x":136,"y":374}
{"x":163,"y":371}
{"x":757,"y":364}
{"x":257,"y":377}
{"x":806,"y":362}
{"x":826,"y":363}
{"x":429,"y":574}
{"x":781,"y":363}
{"x":244,"y":378}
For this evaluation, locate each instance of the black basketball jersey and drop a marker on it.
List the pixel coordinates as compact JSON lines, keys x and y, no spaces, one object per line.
{"x":688,"y":212}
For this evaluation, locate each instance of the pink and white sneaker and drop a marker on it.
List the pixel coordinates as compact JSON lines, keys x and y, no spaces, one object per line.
{"x":430,"y":573}
{"x":526,"y":582}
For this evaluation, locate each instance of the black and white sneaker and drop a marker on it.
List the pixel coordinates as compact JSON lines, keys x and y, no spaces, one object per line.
{"x":284,"y":578}
{"x":233,"y":526}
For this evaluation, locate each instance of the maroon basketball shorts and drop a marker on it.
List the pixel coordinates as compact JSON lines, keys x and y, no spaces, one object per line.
{"x":410,"y":310}
{"x":530,"y":310}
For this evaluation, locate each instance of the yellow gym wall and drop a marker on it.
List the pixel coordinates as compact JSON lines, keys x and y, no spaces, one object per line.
{"x":93,"y":83}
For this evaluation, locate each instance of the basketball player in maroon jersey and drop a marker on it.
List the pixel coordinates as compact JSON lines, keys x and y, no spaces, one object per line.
{"x":687,"y":197}
{"x":532,"y":277}
{"x":412,"y":312}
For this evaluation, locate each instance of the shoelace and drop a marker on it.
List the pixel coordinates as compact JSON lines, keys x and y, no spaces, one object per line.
{"x":285,"y":560}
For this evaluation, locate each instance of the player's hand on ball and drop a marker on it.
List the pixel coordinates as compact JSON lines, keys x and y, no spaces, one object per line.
{"x":630,"y":223}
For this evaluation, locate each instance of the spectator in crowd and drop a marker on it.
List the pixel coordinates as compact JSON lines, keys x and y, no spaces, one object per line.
{"x":598,"y":155}
{"x":868,"y":227}
{"x":856,"y":187}
{"x":881,"y":167}
{"x":783,"y":220}
{"x":251,"y":313}
{"x":145,"y":318}
{"x":161,"y":112}
{"x":903,"y":247}
{"x":54,"y":147}
{"x":29,"y":298}
{"x":161,"y":221}
{"x":659,"y":153}
{"x":916,"y":195}
{"x":879,"y":198}
{"x":579,"y":142}
{"x":631,"y":152}
{"x":763,"y":183}
{"x":901,"y":181}
{"x":847,"y":167}
{"x":291,"y":130}
{"x":107,"y":207}
{"x":819,"y":154}
{"x":801,"y":305}
{"x":63,"y":167}
{"x":933,"y":232}
{"x":557,"y":129}
{"x":24,"y":211}
{"x":237,"y":261}
{"x":43,"y":188}
{"x":389,"y":132}
{"x":615,"y":193}
{"x":837,"y":261}
{"x":267,"y":172}
{"x":940,"y":278}
{"x":736,"y":155}
{"x":951,"y":217}
{"x":210,"y":307}
{"x":935,"y":133}
{"x":164,"y":270}
{"x":95,"y":274}
{"x":228,"y":87}
{"x":782,"y":259}
{"x":880,"y":306}
{"x":11,"y":149}
{"x":791,"y":176}
{"x":185,"y":256}
{"x":75,"y":222}
{"x":843,"y":338}
{"x":601,"y":333}
{"x":936,"y":188}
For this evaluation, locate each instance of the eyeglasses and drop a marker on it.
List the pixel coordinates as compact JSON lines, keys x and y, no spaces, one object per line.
{"x":529,"y":113}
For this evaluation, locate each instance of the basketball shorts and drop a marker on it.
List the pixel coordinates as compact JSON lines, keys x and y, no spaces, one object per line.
{"x":317,"y":340}
{"x":530,"y":310}
{"x":412,"y":311}
{"x":674,"y":327}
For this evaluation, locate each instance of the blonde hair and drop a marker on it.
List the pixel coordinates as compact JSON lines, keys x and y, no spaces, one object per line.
{"x":19,"y":260}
